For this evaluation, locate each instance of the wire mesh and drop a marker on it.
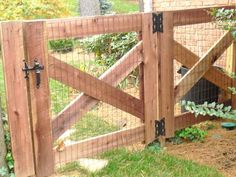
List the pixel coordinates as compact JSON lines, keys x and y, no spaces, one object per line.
{"x":209,"y":80}
{"x":79,"y":117}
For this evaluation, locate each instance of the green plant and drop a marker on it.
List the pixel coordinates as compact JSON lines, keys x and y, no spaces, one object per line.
{"x":225,"y":18}
{"x":193,"y":133}
{"x":211,"y":109}
{"x":105,"y":6}
{"x":33,"y":9}
{"x":109,"y":48}
{"x":62,"y":45}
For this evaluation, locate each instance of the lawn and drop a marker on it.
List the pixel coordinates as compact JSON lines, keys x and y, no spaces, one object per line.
{"x":150,"y":162}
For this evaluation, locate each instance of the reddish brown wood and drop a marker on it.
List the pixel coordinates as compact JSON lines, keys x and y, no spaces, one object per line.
{"x":17,"y":98}
{"x":102,"y":91}
{"x":96,"y":145}
{"x":36,"y":48}
{"x":83,"y":103}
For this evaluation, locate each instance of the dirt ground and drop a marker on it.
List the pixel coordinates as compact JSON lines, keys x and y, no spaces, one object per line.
{"x":218,"y":150}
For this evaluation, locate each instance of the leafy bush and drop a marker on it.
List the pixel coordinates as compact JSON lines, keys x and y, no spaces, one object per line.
{"x":32,"y":9}
{"x":109,"y":48}
{"x":211,"y":109}
{"x":105,"y":6}
{"x":193,"y":133}
{"x":225,"y":18}
{"x":62,"y":45}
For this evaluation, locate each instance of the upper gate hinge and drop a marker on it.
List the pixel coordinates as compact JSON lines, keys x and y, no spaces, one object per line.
{"x":157,"y":19}
{"x":160,"y":127}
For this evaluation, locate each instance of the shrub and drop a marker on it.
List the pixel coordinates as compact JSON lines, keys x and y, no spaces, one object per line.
{"x":109,"y":48}
{"x":193,"y":133}
{"x":105,"y":6}
{"x":32,"y":9}
{"x":62,"y":45}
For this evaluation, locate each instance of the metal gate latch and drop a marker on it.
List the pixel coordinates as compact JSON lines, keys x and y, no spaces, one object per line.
{"x":37,"y":68}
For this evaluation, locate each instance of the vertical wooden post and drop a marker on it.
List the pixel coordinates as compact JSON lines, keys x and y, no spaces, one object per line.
{"x":234,"y":70}
{"x":36,"y":49}
{"x":165,"y":53}
{"x":17,"y":98}
{"x":150,"y":69}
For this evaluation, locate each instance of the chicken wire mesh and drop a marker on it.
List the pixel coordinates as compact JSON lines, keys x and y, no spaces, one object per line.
{"x":79,"y":117}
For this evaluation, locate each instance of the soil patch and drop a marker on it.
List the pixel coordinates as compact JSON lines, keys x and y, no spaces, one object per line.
{"x":218,"y":150}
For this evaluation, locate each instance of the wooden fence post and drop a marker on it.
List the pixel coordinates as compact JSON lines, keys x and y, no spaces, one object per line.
{"x":36,"y":48}
{"x":150,"y":70}
{"x":17,"y":98}
{"x":165,"y":47}
{"x":234,"y":70}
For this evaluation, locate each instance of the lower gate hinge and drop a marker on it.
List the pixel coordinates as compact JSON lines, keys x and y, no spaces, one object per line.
{"x":160,"y":127}
{"x":157,"y":19}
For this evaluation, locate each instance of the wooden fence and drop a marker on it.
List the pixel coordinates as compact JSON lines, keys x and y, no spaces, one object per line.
{"x":33,"y":131}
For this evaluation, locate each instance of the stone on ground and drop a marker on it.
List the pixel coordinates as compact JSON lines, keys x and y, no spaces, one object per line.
{"x":93,"y":165}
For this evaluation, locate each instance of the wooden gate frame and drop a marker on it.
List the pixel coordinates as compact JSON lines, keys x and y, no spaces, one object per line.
{"x":33,"y":132}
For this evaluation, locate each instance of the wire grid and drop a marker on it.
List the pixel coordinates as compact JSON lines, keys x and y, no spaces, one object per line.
{"x":198,"y":39}
{"x":100,"y":118}
{"x":187,"y":4}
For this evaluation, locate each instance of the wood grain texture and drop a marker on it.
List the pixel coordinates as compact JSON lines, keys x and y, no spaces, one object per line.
{"x":17,"y":98}
{"x":150,"y":71}
{"x":234,"y":70}
{"x":102,"y":91}
{"x":36,"y":48}
{"x":196,"y":15}
{"x":96,"y":145}
{"x":165,"y":44}
{"x":188,"y":119}
{"x":87,"y":26}
{"x":189,"y":59}
{"x":83,"y":103}
{"x":202,"y":66}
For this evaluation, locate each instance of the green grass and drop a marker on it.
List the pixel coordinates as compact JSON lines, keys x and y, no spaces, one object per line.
{"x":148,"y":163}
{"x":2,"y":87}
{"x":124,"y":6}
{"x":91,"y":125}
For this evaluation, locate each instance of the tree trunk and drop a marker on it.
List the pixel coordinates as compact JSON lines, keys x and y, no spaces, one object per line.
{"x":2,"y":142}
{"x":89,"y":7}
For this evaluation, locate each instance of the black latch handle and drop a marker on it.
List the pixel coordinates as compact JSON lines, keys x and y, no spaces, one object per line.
{"x":37,"y":68}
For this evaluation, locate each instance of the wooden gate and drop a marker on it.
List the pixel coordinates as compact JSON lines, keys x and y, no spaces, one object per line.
{"x":34,"y":130}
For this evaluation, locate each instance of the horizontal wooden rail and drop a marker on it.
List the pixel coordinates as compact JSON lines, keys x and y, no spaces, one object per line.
{"x":83,"y":103}
{"x":67,"y":75}
{"x":99,"y":144}
{"x":202,"y":66}
{"x":188,"y":119}
{"x":189,"y":59}
{"x":87,"y":26}
{"x":196,"y":16}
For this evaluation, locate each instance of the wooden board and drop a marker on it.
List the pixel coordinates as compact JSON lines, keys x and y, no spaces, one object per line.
{"x":36,"y":48}
{"x":17,"y":98}
{"x":234,"y":70}
{"x":150,"y":71}
{"x":94,"y":87}
{"x":87,"y":26}
{"x":83,"y":103}
{"x":96,"y":145}
{"x":188,"y":59}
{"x":188,"y":119}
{"x":202,"y":66}
{"x":195,"y":16}
{"x":165,"y":44}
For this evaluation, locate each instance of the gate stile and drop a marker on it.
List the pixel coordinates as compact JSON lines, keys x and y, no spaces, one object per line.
{"x":34,"y":132}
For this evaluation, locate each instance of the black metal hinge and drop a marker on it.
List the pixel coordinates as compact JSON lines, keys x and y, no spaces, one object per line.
{"x":157,"y":19}
{"x":160,"y":127}
{"x":37,"y":68}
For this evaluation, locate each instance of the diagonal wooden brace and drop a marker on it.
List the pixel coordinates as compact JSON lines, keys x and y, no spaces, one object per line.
{"x":202,"y":66}
{"x":83,"y":103}
{"x":214,"y":75}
